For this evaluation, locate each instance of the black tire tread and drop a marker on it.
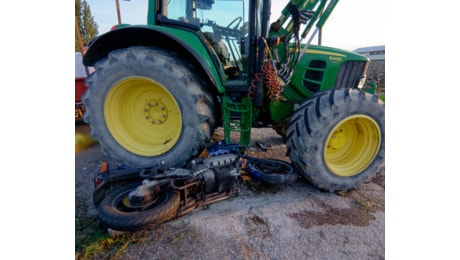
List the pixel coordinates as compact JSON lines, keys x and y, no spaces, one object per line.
{"x":309,"y":127}
{"x":151,"y":62}
{"x":272,"y":177}
{"x":113,"y":218}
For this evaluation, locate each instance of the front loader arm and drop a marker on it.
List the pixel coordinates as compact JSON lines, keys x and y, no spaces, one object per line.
{"x":297,"y":16}
{"x":307,"y":12}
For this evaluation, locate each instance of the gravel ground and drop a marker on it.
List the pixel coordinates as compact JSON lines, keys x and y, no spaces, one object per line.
{"x":263,"y":222}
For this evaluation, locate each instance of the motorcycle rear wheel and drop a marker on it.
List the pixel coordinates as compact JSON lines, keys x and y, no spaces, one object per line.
{"x":114,"y":213}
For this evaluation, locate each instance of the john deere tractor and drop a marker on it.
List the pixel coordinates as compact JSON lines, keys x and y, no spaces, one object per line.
{"x":159,"y":90}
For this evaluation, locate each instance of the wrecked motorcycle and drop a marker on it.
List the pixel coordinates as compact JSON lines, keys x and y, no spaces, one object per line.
{"x":133,"y":199}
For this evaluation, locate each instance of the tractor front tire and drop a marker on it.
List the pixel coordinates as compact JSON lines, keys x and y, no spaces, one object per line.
{"x":145,"y":105}
{"x":336,"y":138}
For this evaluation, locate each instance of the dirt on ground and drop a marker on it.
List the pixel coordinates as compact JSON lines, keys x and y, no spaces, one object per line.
{"x":263,"y":222}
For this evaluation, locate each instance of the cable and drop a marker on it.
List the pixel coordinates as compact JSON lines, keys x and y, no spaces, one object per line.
{"x":271,"y":80}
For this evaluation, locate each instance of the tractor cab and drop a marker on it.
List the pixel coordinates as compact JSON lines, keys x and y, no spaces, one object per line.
{"x":225,"y":27}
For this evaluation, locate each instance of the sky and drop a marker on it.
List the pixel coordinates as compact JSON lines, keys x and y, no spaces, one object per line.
{"x":353,"y":24}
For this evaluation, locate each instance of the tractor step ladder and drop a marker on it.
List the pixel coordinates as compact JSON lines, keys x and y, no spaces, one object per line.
{"x":237,"y":118}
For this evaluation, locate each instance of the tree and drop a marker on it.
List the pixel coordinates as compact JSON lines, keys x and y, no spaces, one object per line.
{"x":88,"y":27}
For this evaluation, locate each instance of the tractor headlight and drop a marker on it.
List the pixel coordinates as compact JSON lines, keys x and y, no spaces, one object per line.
{"x":361,"y":82}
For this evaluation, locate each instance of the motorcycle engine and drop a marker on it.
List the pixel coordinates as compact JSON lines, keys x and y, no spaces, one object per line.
{"x":222,"y":174}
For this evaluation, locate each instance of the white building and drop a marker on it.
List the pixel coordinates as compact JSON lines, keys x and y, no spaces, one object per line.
{"x":373,"y":52}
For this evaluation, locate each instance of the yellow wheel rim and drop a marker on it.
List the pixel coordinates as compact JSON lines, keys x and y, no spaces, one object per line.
{"x":143,"y":116}
{"x":352,"y":145}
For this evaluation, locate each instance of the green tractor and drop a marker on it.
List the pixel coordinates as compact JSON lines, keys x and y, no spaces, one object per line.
{"x":160,"y":90}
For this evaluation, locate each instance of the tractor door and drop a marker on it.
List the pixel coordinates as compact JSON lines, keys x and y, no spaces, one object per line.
{"x":225,"y":26}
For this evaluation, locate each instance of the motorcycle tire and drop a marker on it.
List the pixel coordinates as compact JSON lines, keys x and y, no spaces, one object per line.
{"x":113,"y":212}
{"x":271,"y":171}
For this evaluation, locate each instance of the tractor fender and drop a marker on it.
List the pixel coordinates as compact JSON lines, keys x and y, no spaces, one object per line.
{"x":143,"y":35}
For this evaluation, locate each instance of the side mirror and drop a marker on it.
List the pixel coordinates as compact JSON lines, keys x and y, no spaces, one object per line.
{"x":204,"y":4}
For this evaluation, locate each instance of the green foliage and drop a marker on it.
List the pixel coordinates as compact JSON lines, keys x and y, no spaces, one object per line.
{"x":88,"y":27}
{"x":87,"y":233}
{"x":92,"y":241}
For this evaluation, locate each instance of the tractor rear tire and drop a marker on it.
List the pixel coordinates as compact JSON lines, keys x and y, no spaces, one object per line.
{"x":145,"y":105}
{"x":336,"y":138}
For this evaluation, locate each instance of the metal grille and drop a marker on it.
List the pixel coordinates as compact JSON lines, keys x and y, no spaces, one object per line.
{"x":350,"y":73}
{"x":313,"y":77}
